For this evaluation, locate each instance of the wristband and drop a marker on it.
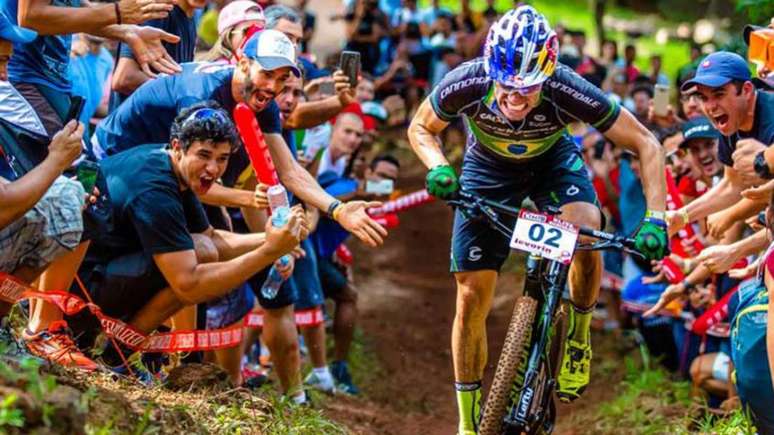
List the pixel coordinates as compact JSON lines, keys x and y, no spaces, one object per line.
{"x":118,"y":12}
{"x":683,"y":212}
{"x":336,"y":213}
{"x":332,"y":208}
{"x":660,"y":215}
{"x":688,"y":286}
{"x":761,"y":167}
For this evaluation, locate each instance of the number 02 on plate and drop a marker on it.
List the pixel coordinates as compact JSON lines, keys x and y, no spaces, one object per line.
{"x":545,"y":235}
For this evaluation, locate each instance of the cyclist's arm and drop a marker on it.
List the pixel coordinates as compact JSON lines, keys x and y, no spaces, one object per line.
{"x":423,"y":135}
{"x":628,"y":133}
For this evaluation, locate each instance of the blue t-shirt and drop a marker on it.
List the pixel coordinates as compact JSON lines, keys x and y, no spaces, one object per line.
{"x":762,"y":130}
{"x":631,"y":203}
{"x":43,"y":61}
{"x":147,"y":210}
{"x":88,"y":74}
{"x":147,"y":115}
{"x":329,"y":234}
{"x":176,"y":23}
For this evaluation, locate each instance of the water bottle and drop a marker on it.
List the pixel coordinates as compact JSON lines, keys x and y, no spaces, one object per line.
{"x":280,"y":213}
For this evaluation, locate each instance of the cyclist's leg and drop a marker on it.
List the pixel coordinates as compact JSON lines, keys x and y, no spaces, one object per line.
{"x":469,"y":350}
{"x":478,"y":252}
{"x":570,"y":189}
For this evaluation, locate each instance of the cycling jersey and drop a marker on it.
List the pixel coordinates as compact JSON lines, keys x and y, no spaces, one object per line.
{"x":566,"y":97}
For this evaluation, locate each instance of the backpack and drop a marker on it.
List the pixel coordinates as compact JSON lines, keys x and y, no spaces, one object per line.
{"x":748,"y":353}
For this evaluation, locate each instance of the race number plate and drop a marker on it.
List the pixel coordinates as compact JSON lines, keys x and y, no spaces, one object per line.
{"x":545,"y":235}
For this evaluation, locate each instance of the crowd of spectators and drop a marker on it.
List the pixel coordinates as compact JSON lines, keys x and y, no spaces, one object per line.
{"x":200,"y":255}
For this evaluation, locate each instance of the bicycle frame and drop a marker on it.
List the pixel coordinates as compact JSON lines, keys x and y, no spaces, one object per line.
{"x":545,"y":282}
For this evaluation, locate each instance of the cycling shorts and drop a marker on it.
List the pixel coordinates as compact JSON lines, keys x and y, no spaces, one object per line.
{"x":557,"y":177}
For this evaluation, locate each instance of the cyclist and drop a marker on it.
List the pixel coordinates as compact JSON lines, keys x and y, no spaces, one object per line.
{"x":516,"y":101}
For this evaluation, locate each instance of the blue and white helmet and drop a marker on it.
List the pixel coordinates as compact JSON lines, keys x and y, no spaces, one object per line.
{"x":521,"y":48}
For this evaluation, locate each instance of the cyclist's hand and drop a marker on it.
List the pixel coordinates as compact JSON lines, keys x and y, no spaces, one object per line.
{"x":442,"y":182}
{"x":651,"y":239}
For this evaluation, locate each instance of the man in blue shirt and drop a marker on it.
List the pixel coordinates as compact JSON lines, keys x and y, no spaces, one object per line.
{"x":152,"y":249}
{"x":180,"y":21}
{"x":269,"y":58}
{"x":744,"y":116}
{"x":89,"y":72}
{"x":38,"y":69}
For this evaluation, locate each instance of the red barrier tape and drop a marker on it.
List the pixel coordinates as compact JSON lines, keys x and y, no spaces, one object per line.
{"x":12,"y":291}
{"x":402,"y":203}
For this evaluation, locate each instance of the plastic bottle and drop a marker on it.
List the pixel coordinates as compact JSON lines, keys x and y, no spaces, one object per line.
{"x":280,"y":212}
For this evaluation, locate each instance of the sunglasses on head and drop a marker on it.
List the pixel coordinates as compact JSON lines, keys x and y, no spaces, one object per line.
{"x":204,"y":113}
{"x":523,"y":91}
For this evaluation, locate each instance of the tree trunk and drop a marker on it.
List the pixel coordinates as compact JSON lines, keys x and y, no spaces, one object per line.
{"x":598,"y":6}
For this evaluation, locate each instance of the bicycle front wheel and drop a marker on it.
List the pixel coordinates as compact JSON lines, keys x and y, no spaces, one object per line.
{"x":512,"y":357}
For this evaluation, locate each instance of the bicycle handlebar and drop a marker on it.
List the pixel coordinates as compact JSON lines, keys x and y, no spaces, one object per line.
{"x":493,"y":209}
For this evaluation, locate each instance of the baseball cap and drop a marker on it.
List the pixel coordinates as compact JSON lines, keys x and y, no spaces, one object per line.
{"x":272,"y":50}
{"x":238,"y":12}
{"x":698,"y":128}
{"x":11,"y":32}
{"x":719,"y":68}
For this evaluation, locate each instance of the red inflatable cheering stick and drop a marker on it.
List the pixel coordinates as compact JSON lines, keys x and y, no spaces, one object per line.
{"x":255,"y":145}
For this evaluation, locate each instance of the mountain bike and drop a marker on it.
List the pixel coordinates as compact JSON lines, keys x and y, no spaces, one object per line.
{"x":521,"y":398}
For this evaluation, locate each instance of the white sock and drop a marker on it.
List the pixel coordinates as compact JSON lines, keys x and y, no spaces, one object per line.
{"x":324,"y":375}
{"x":299,"y":398}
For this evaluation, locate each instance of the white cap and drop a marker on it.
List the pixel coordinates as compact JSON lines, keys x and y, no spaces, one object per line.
{"x":272,"y":50}
{"x":238,"y":12}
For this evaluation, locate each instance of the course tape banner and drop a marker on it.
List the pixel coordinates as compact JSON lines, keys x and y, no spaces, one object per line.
{"x":13,"y":291}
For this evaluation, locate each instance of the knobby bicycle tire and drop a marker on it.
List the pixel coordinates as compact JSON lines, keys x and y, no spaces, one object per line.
{"x":512,"y":356}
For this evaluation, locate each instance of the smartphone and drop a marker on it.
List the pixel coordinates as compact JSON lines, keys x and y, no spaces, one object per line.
{"x":350,"y":65}
{"x":661,"y":100}
{"x":381,"y":187}
{"x":86,"y":173}
{"x":762,"y":218}
{"x":76,"y":107}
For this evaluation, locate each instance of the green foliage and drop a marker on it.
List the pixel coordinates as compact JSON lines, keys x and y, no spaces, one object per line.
{"x":9,"y":415}
{"x":285,"y":417}
{"x":759,"y":11}
{"x":651,"y":402}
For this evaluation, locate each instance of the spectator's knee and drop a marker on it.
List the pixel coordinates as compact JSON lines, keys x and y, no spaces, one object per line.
{"x":206,"y":251}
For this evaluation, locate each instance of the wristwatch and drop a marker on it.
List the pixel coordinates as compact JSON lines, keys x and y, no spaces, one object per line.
{"x":761,"y":167}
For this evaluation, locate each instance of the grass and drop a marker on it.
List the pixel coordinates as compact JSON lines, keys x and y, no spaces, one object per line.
{"x":651,"y":402}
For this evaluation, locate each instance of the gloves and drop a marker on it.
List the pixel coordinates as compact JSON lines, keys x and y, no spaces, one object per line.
{"x":442,"y":182}
{"x":651,"y":239}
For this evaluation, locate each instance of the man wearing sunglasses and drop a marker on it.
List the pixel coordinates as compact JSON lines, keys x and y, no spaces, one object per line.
{"x":516,"y":102}
{"x":153,"y":250}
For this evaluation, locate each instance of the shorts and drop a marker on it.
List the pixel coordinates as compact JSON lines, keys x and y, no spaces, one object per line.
{"x":49,"y":229}
{"x":230,"y":308}
{"x":307,"y":279}
{"x":555,"y":178}
{"x":287,"y":294}
{"x":124,"y":285}
{"x":720,"y":367}
{"x":333,"y":278}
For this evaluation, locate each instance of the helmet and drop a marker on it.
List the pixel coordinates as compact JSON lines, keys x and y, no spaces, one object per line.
{"x":521,"y":48}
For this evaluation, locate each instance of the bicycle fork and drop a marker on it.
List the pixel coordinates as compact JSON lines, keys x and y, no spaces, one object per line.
{"x":546,"y":283}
